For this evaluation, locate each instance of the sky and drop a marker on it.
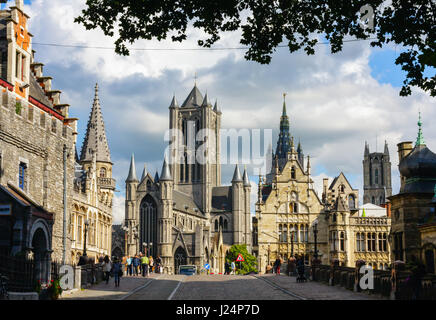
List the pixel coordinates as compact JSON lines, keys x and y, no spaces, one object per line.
{"x":335,"y":102}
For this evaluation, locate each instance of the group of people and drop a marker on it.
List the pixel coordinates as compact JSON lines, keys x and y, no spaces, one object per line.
{"x":229,"y":268}
{"x":140,"y":264}
{"x":294,"y":264}
{"x":114,"y":268}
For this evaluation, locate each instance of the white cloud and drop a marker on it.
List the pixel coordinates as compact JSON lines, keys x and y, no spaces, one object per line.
{"x":118,"y":207}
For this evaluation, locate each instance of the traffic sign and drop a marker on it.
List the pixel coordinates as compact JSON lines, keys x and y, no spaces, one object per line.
{"x":240,"y":258}
{"x":207,"y":266}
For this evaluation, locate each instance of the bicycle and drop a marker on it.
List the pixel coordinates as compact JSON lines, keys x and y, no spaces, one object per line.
{"x":4,"y":295}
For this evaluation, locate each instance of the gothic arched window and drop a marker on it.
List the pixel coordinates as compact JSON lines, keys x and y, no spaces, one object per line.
{"x":148,"y":223}
{"x":351,"y":201}
{"x":102,"y":172}
{"x":225,"y":225}
{"x":293,"y":173}
{"x":376,"y":176}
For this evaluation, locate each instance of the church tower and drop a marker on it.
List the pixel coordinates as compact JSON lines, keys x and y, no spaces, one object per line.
{"x":187,"y":142}
{"x":95,"y":153}
{"x":376,"y":176}
{"x":284,"y":141}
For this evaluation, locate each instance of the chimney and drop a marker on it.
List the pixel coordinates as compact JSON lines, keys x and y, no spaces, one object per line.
{"x":404,"y":148}
{"x":325,"y":183}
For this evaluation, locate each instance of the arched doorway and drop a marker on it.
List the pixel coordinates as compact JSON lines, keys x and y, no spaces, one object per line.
{"x":148,"y":225}
{"x":180,"y":258}
{"x":40,"y":255}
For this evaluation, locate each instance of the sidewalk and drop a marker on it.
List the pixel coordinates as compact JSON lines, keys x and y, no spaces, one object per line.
{"x":318,"y":291}
{"x":103,"y":291}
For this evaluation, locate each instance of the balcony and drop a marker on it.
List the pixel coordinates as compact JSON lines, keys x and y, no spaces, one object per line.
{"x":106,"y":183}
{"x":373,"y":221}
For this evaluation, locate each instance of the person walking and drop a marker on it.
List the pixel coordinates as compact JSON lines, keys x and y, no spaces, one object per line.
{"x":227,"y":267}
{"x":150,"y":263}
{"x":136,"y":263}
{"x":277,"y":265}
{"x":144,"y":265}
{"x":129,"y":266}
{"x":233,"y":266}
{"x":107,"y":267}
{"x":117,"y":271}
{"x":158,"y":264}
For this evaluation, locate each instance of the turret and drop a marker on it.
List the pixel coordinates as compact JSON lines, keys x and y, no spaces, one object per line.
{"x":237,"y":206}
{"x":131,"y":181}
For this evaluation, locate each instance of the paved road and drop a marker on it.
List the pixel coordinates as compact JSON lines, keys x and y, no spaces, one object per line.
{"x":216,"y":287}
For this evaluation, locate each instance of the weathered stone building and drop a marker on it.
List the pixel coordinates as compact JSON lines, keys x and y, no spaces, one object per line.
{"x":93,"y":191}
{"x":36,"y":148}
{"x":288,"y":208}
{"x":185,"y":215}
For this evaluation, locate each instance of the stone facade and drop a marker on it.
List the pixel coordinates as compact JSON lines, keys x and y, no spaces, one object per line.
{"x":288,"y":208}
{"x":34,"y":128}
{"x":185,"y":215}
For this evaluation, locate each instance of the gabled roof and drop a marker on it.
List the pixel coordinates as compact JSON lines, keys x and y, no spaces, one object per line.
{"x":185,"y":203}
{"x":194,"y":99}
{"x":337,"y":178}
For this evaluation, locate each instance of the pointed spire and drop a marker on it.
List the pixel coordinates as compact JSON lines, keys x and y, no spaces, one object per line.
{"x":299,"y":149}
{"x":420,"y":138}
{"x":205,"y":101}
{"x":386,"y":152}
{"x":284,"y":105}
{"x":144,"y":172}
{"x":132,"y":171}
{"x":216,"y":108}
{"x":308,"y":165}
{"x":246,"y":180}
{"x":237,"y":175}
{"x":174,"y":103}
{"x":194,"y":99}
{"x":95,"y":138}
{"x":166,"y":172}
{"x":366,"y":149}
{"x":156,"y":177}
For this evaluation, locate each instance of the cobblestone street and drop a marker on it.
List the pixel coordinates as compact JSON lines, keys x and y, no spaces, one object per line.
{"x":216,"y":287}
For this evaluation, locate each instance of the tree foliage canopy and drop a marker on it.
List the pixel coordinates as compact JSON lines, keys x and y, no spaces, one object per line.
{"x":248,"y":265}
{"x":265,"y":24}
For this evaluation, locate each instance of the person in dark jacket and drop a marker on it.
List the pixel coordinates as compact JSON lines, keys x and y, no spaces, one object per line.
{"x":277,"y":265}
{"x":136,"y":263}
{"x":117,"y":271}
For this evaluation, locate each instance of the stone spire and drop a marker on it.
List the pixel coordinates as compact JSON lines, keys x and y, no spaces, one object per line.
{"x":284,"y":141}
{"x":144,"y":172}
{"x":166,"y":172}
{"x":174,"y":103}
{"x":237,"y":175}
{"x":366,"y":153}
{"x":95,"y":138}
{"x":156,"y":177}
{"x":194,"y":99}
{"x":246,"y":180}
{"x":206,"y":102}
{"x":132,"y":170}
{"x":420,"y":139}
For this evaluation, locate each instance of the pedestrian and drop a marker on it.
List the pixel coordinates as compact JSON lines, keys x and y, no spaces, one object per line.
{"x":233,"y":266}
{"x":136,"y":264}
{"x":129,"y":266}
{"x":277,"y":265}
{"x":300,"y":269}
{"x":144,"y":265}
{"x":151,"y":263}
{"x":117,"y":272}
{"x":158,"y":264}
{"x":227,"y":267}
{"x":107,"y":267}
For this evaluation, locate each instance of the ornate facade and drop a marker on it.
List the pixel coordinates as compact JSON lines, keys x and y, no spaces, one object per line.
{"x":185,"y":215}
{"x":93,"y":191}
{"x":288,"y":208}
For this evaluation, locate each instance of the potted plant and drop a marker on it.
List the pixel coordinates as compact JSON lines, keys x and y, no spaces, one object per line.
{"x":54,"y":289}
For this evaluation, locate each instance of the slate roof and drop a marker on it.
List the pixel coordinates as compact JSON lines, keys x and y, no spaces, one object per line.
{"x":194,"y":99}
{"x":37,"y":92}
{"x":222,"y":199}
{"x":185,"y":203}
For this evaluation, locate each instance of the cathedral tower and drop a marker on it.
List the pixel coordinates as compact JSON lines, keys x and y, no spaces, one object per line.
{"x":376,"y":176}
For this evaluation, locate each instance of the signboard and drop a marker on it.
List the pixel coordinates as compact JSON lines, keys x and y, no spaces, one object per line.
{"x":207,"y":266}
{"x":239,"y":258}
{"x":5,"y":209}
